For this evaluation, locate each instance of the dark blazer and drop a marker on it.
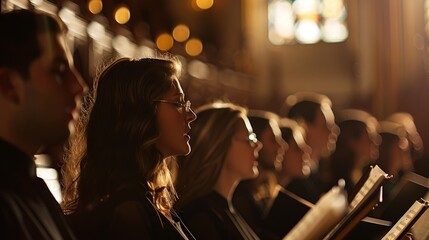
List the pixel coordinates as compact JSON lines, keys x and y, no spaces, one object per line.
{"x":126,"y":214}
{"x":27,"y":208}
{"x":210,"y":217}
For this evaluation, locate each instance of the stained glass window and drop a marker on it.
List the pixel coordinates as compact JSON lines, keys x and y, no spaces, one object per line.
{"x":306,"y":21}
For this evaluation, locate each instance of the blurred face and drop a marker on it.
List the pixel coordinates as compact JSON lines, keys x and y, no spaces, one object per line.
{"x":241,"y":159}
{"x":321,"y":134}
{"x":396,"y":156}
{"x":366,"y":149}
{"x":400,"y":159}
{"x":174,"y":122}
{"x":51,"y":94}
{"x":293,"y":163}
{"x":271,"y":154}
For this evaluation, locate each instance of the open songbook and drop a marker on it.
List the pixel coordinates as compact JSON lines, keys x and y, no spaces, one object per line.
{"x":405,"y":191}
{"x":368,"y":196}
{"x":404,"y":224}
{"x":420,"y":229}
{"x":399,"y":195}
{"x":333,"y":217}
{"x":331,"y":207}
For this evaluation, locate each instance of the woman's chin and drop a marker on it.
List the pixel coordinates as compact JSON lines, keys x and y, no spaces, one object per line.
{"x":184,"y":150}
{"x":254,"y":172}
{"x":187,"y":149}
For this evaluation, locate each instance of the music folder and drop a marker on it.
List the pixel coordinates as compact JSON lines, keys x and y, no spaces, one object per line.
{"x":333,"y":217}
{"x":402,"y":227}
{"x":369,"y":194}
{"x":330,"y":208}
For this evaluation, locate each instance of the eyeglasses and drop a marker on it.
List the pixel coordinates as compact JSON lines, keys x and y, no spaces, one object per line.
{"x":253,"y":140}
{"x":180,"y":105}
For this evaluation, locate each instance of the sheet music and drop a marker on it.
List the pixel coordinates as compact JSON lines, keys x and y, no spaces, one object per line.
{"x":403,"y":223}
{"x":327,"y":212}
{"x":374,"y":176}
{"x":332,"y":217}
{"x":361,"y":204}
{"x":420,"y":229}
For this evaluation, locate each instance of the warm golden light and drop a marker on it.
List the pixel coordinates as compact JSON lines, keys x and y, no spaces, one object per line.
{"x":332,"y":8}
{"x":198,"y":69}
{"x":95,"y":6}
{"x":164,"y":42}
{"x":122,"y":15}
{"x":194,"y":47}
{"x":204,"y":4}
{"x":181,"y":33}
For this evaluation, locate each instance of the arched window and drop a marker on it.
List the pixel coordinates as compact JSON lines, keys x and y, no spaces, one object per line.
{"x":306,"y":21}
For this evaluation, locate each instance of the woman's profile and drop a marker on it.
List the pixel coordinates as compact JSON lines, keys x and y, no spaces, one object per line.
{"x":117,"y":183}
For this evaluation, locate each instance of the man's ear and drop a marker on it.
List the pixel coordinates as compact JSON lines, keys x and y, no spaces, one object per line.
{"x":8,"y":85}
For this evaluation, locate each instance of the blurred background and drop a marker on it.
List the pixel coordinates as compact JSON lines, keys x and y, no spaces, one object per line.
{"x":366,"y":54}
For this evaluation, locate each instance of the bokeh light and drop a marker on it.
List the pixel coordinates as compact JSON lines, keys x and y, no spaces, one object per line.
{"x":122,"y":15}
{"x":202,"y":4}
{"x":198,"y":69}
{"x":194,"y":47}
{"x":306,"y":21}
{"x":181,"y":33}
{"x":95,"y":6}
{"x":164,"y":42}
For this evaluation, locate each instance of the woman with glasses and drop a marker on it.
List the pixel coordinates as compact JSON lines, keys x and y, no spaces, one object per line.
{"x":117,"y":183}
{"x":225,"y":151}
{"x":286,"y":209}
{"x":252,"y":196}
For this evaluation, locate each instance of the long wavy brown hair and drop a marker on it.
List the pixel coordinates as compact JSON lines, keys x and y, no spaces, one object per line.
{"x":114,"y":142}
{"x":211,"y":137}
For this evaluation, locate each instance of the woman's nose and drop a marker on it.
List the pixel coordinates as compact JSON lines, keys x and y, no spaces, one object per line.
{"x":191,"y":116}
{"x":77,"y":85}
{"x":258,"y":146}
